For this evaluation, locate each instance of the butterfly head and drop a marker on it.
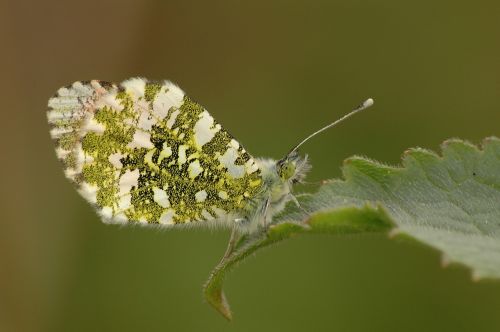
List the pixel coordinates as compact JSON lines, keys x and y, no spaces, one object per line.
{"x":293,"y":168}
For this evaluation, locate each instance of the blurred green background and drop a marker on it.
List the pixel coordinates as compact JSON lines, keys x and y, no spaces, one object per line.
{"x":271,"y":72}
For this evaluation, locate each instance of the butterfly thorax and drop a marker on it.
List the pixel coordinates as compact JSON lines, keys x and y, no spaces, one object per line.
{"x":278,"y":179}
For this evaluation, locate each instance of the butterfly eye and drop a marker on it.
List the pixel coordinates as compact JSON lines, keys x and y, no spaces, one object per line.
{"x":286,"y":169}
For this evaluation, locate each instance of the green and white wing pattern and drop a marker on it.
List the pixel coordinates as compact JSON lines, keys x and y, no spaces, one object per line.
{"x":144,"y":152}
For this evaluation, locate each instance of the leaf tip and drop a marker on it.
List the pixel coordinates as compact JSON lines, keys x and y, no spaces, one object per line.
{"x":217,"y":299}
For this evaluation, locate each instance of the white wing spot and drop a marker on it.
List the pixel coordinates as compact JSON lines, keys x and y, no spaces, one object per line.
{"x":135,"y":86}
{"x":227,"y":160}
{"x":91,"y":125}
{"x":120,"y":217}
{"x":114,"y":159}
{"x":200,"y":196}
{"x":251,"y":166}
{"x":148,"y":158}
{"x":128,"y":180}
{"x":194,"y":169}
{"x":182,"y":154}
{"x":109,"y":100}
{"x":125,"y":202}
{"x":204,"y":129}
{"x":219,"y":212}
{"x":205,"y":214}
{"x":167,"y":218}
{"x":146,"y":121}
{"x":82,"y":89}
{"x":165,"y":152}
{"x":234,"y":143}
{"x":169,"y":96}
{"x":59,"y":131}
{"x":106,"y":212}
{"x":172,"y":118}
{"x":61,"y":153}
{"x":141,"y":139}
{"x":88,"y":191}
{"x":57,"y":113}
{"x":160,"y":197}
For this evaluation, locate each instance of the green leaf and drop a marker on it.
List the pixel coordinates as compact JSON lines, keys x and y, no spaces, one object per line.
{"x":451,"y":203}
{"x":348,"y":220}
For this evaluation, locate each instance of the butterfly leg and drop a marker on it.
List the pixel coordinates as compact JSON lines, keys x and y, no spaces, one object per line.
{"x":265,"y":209}
{"x":296,"y":201}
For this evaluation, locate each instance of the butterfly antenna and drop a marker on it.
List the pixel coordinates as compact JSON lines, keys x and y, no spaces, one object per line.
{"x":367,"y":103}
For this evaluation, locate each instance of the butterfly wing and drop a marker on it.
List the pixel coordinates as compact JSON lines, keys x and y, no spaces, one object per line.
{"x":144,"y":152}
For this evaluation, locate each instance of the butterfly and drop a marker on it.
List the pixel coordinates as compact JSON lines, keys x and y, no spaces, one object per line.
{"x":143,"y":152}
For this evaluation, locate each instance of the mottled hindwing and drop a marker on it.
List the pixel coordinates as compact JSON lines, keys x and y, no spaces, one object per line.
{"x":144,"y":152}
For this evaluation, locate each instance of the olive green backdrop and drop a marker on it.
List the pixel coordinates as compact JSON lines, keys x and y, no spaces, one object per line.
{"x":271,"y":72}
